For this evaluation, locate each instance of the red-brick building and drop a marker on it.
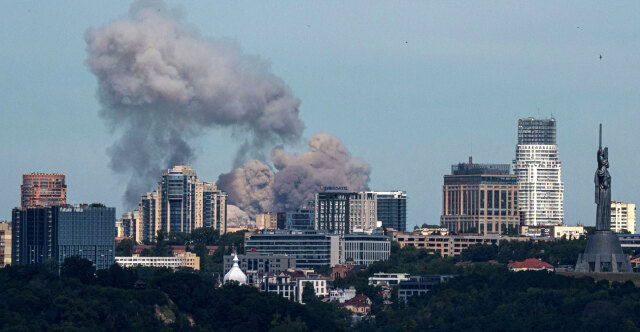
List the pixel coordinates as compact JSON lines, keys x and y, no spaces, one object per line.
{"x":43,"y":189}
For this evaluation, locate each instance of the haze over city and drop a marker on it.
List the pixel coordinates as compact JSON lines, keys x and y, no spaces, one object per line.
{"x":409,"y":89}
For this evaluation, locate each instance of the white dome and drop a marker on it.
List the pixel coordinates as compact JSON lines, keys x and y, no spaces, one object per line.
{"x":235,"y":274}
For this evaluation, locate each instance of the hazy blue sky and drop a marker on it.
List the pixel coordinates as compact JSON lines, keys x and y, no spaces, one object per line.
{"x":408,"y":86}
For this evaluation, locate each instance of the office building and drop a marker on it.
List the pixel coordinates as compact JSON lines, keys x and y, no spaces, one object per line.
{"x":185,"y":259}
{"x":343,"y":212}
{"x":539,"y":172}
{"x":392,"y":209}
{"x":87,"y":232}
{"x":5,"y":243}
{"x":311,"y":248}
{"x":480,"y":198}
{"x":43,"y":189}
{"x":255,"y":262}
{"x":364,"y":249}
{"x":301,"y":219}
{"x":623,"y":217}
{"x":445,"y":245}
{"x":39,"y":234}
{"x":387,"y":279}
{"x":266,"y":221}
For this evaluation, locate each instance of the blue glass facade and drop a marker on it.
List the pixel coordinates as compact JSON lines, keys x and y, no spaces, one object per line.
{"x":303,"y":219}
{"x":32,"y":235}
{"x":392,"y":210}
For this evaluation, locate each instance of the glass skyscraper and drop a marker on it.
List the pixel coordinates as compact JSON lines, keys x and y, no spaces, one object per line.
{"x":392,"y":209}
{"x":179,"y":199}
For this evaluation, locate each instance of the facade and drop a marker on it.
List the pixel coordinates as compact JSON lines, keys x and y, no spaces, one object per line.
{"x":480,"y":198}
{"x":343,"y":212}
{"x":364,"y":249}
{"x":186,"y":259}
{"x":149,"y":215}
{"x":358,"y":305}
{"x":5,"y":243}
{"x":319,"y":286}
{"x":56,"y":233}
{"x":214,"y":207}
{"x":568,"y":232}
{"x":623,"y":217}
{"x":87,"y":232}
{"x":303,"y":219}
{"x":180,"y":200}
{"x":419,"y":285}
{"x":254,"y":262}
{"x":387,"y":279}
{"x":43,"y":190}
{"x":130,"y":225}
{"x":282,"y":285}
{"x":266,"y":221}
{"x":311,"y":248}
{"x":341,"y":295}
{"x":445,"y":245}
{"x":539,"y":172}
{"x":392,"y":209}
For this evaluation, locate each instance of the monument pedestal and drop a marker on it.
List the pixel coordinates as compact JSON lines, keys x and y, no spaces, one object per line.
{"x":603,"y":254}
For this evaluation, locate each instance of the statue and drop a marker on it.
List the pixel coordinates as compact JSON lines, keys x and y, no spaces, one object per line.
{"x":603,"y":253}
{"x":603,"y":189}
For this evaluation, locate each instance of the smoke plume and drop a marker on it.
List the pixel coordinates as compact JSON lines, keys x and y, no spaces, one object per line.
{"x":256,"y":188}
{"x":161,"y":85}
{"x":238,"y":218}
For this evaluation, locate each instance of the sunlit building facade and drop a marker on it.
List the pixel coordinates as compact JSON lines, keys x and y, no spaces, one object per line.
{"x":43,"y":189}
{"x":623,"y":217}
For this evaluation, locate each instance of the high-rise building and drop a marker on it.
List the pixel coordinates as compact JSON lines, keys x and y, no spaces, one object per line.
{"x":181,"y":200}
{"x":149,"y":209}
{"x":392,"y":209}
{"x":539,"y":173}
{"x":5,"y":243}
{"x":341,"y":212}
{"x":87,"y":232}
{"x":214,"y":207}
{"x":43,"y":189}
{"x":480,"y":198}
{"x":43,"y":233}
{"x":130,"y":225}
{"x":623,"y":217}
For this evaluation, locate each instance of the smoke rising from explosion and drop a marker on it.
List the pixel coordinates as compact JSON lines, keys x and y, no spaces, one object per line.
{"x":255,"y":188}
{"x":161,"y":85}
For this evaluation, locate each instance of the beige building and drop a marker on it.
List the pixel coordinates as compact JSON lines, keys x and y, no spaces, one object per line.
{"x":623,"y":217}
{"x":5,"y":243}
{"x":266,"y":221}
{"x":185,"y":259}
{"x":568,"y":232}
{"x":363,"y":212}
{"x":445,"y":245}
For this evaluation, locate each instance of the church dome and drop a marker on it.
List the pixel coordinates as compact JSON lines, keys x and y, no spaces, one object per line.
{"x":235,"y":274}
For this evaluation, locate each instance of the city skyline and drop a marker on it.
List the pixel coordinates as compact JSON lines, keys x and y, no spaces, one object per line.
{"x":441,"y":108}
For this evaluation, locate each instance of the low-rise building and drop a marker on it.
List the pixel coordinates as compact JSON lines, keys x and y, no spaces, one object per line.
{"x":311,"y":248}
{"x":185,"y":259}
{"x":418,"y":285}
{"x":364,"y":249}
{"x":255,"y":262}
{"x":387,"y":279}
{"x":342,"y":295}
{"x":359,"y":305}
{"x":319,"y":286}
{"x":629,"y":240}
{"x":568,"y":232}
{"x":445,"y":245}
{"x":531,"y":264}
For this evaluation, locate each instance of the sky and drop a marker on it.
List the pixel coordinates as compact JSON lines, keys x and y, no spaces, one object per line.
{"x":410,"y":87}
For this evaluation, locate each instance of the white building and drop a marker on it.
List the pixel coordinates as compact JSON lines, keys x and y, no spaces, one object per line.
{"x":185,"y":259}
{"x":623,"y":217}
{"x":364,"y":249}
{"x":319,"y":286}
{"x":388,"y":279}
{"x":342,"y":295}
{"x":568,"y":232}
{"x":539,"y":171}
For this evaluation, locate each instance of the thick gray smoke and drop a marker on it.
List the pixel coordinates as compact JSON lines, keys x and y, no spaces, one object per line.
{"x":161,"y":85}
{"x":238,"y":218}
{"x":255,"y":188}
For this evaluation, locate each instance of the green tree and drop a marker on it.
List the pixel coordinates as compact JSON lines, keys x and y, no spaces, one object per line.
{"x":78,"y":268}
{"x":124,"y":247}
{"x":308,"y":293}
{"x":287,"y":325}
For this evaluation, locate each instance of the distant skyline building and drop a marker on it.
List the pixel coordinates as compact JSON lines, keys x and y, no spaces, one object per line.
{"x":301,"y":219}
{"x":344,"y":212}
{"x":5,"y":243}
{"x":43,"y":233}
{"x":392,"y":209}
{"x":267,"y":220}
{"x":539,"y":172}
{"x":480,"y":198}
{"x":623,"y":217}
{"x":43,"y":189}
{"x":214,"y":207}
